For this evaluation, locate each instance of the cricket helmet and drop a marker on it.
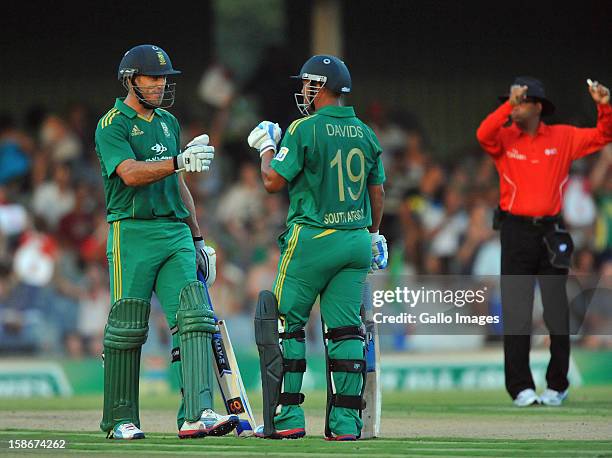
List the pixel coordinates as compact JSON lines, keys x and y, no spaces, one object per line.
{"x":147,"y":60}
{"x":322,"y":71}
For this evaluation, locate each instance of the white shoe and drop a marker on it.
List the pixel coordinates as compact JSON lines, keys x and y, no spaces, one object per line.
{"x":525,"y":398}
{"x":553,"y":398}
{"x":192,"y":429}
{"x":218,"y":425}
{"x":209,"y":424}
{"x":126,"y":431}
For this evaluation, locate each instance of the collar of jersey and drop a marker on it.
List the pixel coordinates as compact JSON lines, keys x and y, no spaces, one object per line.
{"x":127,"y":110}
{"x":337,"y":112}
{"x":543,"y":129}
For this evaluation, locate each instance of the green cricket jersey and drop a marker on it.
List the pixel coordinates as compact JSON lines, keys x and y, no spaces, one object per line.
{"x":329,"y":159}
{"x":123,"y":134}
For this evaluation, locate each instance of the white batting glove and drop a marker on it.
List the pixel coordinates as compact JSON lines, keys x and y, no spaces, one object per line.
{"x":265,"y":136}
{"x":199,"y":140}
{"x":380,"y":255}
{"x":197,"y":156}
{"x":206,"y":261}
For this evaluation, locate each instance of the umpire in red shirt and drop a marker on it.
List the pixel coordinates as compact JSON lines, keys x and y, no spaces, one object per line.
{"x":533,"y":160}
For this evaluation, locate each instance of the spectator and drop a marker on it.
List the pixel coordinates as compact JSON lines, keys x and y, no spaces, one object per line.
{"x":54,"y":199}
{"x":14,"y":148}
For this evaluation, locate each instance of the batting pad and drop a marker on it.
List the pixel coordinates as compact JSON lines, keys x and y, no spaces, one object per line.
{"x":125,"y":332}
{"x":196,"y":325}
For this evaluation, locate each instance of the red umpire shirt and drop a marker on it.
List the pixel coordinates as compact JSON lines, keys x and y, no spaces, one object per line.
{"x":533,"y":170}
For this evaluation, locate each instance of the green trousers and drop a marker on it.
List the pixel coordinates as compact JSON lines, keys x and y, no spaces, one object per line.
{"x":146,"y":256}
{"x":332,"y":264}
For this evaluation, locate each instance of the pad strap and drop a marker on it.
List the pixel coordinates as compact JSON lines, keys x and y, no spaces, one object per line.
{"x":300,"y":334}
{"x":345,"y":333}
{"x":294,"y":365}
{"x":349,"y":402}
{"x":291,"y":399}
{"x":347,"y":365}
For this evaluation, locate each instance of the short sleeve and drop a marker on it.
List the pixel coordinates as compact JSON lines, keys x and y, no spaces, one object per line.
{"x":377,"y":173}
{"x":113,"y":146}
{"x":289,"y":160}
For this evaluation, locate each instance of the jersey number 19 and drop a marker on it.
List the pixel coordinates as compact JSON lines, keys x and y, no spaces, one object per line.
{"x":358,"y":178}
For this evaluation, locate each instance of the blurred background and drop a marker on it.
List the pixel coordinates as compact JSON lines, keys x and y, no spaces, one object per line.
{"x":424,"y":76}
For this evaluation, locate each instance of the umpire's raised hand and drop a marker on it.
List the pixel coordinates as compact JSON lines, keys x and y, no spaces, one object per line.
{"x":518,"y":93}
{"x":599,"y":92}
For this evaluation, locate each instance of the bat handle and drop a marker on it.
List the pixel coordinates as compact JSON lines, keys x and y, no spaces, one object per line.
{"x":203,"y":281}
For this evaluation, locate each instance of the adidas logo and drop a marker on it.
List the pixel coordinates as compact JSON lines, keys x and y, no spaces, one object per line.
{"x":136,"y":131}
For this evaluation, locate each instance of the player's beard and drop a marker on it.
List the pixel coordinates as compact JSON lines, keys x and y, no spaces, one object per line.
{"x":164,"y":100}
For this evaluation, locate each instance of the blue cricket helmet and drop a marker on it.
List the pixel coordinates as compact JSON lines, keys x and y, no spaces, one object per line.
{"x":145,"y":60}
{"x":329,"y":70}
{"x":326,"y":71}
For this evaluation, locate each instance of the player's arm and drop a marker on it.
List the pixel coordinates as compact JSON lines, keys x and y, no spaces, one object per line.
{"x":377,"y":204}
{"x":589,"y":140}
{"x":191,"y":220}
{"x":272,"y":180}
{"x":206,"y":256}
{"x":196,"y":158}
{"x":264,"y":138}
{"x":489,"y":130}
{"x":376,"y":193}
{"x":118,"y":157}
{"x":140,"y":173}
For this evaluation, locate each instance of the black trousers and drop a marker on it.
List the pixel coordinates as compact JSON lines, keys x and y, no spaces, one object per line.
{"x":524,"y":260}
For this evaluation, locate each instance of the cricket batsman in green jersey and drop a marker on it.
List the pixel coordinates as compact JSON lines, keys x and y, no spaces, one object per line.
{"x":331,"y":163}
{"x":154,"y":244}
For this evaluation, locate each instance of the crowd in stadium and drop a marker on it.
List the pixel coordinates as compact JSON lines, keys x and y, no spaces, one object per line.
{"x":54,"y":294}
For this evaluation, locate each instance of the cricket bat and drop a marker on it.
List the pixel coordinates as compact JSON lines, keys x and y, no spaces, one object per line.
{"x":228,"y":376}
{"x":373,"y":387}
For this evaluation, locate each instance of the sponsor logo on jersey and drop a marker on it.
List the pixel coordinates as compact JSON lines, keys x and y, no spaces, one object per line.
{"x":136,"y":131}
{"x":159,"y":148}
{"x":514,"y":154}
{"x":282,"y":154}
{"x":165,"y":129}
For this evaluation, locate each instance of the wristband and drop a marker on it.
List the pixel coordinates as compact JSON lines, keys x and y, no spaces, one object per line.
{"x":175,"y":162}
{"x":198,"y":238}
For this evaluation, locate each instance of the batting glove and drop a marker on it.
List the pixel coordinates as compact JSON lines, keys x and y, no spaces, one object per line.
{"x":201,"y":140}
{"x":265,"y":136}
{"x":380,"y":255}
{"x":197,"y":156}
{"x":206,"y":260}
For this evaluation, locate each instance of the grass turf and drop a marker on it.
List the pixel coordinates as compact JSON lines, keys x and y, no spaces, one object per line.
{"x":585,"y":404}
{"x":160,"y":444}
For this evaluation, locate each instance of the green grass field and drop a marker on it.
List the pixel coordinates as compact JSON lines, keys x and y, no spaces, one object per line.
{"x":414,"y":424}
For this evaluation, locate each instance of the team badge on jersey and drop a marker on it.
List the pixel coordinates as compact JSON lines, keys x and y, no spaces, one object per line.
{"x":165,"y":129}
{"x":282,"y":154}
{"x":136,"y":131}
